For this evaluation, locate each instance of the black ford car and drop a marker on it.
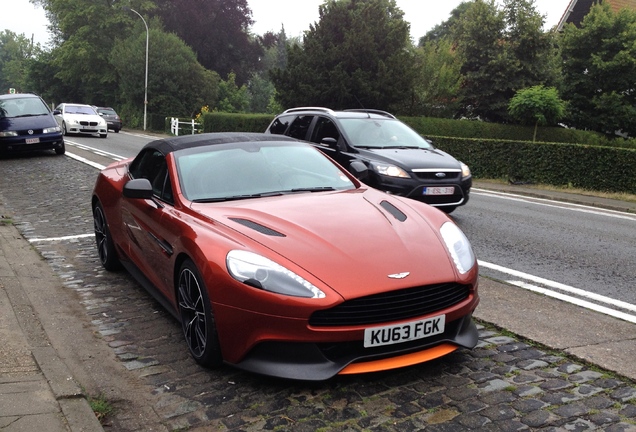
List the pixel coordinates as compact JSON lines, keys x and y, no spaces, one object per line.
{"x":400,"y":161}
{"x":27,"y":124}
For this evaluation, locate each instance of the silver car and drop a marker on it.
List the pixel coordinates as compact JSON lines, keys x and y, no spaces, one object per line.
{"x":80,"y":119}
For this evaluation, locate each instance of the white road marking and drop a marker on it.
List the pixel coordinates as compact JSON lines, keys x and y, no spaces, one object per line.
{"x":55,"y":239}
{"x":566,"y":288}
{"x":576,"y":301}
{"x":86,"y":161}
{"x":555,"y":204}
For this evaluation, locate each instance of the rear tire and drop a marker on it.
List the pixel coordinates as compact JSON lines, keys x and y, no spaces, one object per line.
{"x":447,"y":209}
{"x":197,"y":319}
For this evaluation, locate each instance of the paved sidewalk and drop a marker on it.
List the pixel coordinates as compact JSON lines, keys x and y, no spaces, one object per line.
{"x":37,"y":391}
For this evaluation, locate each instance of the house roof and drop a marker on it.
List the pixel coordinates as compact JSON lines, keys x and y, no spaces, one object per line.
{"x":577,"y":9}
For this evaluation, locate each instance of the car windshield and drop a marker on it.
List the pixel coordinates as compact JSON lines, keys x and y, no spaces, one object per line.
{"x":78,"y":109}
{"x":222,"y":173}
{"x":106,"y":111}
{"x":22,"y":107}
{"x":382,"y":133}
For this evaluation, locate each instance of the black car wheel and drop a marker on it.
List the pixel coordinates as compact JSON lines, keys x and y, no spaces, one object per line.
{"x":61,"y":149}
{"x":197,"y":319}
{"x":105,"y":246}
{"x":64,"y":131}
{"x":447,"y":209}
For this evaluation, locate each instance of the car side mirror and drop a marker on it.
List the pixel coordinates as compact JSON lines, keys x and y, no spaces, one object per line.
{"x":138,"y":189}
{"x":57,"y":112}
{"x":330,"y":142}
{"x":359,"y":170}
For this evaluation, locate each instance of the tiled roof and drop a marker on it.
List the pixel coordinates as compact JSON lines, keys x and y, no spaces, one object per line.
{"x":577,"y":9}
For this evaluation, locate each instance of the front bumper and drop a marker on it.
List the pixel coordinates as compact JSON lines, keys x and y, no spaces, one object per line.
{"x":318,"y":362}
{"x":19,"y":143}
{"x":415,"y":189}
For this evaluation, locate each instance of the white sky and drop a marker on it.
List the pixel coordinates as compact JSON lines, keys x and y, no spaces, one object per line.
{"x":21,"y":17}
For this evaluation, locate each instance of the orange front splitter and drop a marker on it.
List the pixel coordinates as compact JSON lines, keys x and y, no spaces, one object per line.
{"x":400,"y":361}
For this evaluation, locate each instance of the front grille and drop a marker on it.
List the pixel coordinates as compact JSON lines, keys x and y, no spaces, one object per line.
{"x":432,"y":176}
{"x":392,"y":306}
{"x":88,"y":123}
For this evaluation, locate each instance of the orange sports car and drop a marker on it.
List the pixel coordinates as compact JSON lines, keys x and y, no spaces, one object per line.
{"x":278,"y":261}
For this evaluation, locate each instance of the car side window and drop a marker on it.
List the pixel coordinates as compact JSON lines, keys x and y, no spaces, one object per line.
{"x":279,"y":125}
{"x":300,"y":126}
{"x":324,"y":128}
{"x":152,"y":165}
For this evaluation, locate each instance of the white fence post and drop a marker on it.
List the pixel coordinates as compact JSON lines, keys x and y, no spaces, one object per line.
{"x":175,"y":122}
{"x":174,"y":126}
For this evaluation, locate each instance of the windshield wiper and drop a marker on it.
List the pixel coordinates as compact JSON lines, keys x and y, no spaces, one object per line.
{"x":403,"y":147}
{"x":237,"y":197}
{"x":314,"y":189}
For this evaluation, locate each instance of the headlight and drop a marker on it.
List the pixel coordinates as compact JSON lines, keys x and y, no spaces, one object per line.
{"x":8,"y":134}
{"x":51,"y":130}
{"x":390,"y":170}
{"x":458,"y":246}
{"x":260,"y":272}
{"x":465,"y":170}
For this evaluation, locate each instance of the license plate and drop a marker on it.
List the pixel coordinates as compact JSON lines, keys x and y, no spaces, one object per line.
{"x":439,"y":190}
{"x":32,"y":140}
{"x":388,"y":335}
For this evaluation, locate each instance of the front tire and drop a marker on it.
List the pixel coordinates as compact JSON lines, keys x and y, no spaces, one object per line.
{"x":64,"y":131}
{"x":105,"y":246}
{"x":197,"y":319}
{"x":103,"y":135}
{"x":61,"y":149}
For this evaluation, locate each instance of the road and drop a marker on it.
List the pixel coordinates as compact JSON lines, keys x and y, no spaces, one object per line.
{"x":503,"y":384}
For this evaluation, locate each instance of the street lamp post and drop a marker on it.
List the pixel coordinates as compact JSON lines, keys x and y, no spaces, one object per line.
{"x":146,"y":82}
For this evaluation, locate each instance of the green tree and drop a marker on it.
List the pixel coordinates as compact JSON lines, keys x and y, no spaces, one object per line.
{"x":503,"y":50}
{"x":232,"y":98}
{"x":537,"y":105}
{"x":446,"y":28}
{"x":16,"y":52}
{"x":217,"y":31}
{"x":486,"y":61}
{"x":599,"y":71}
{"x":438,"y":80}
{"x":84,"y":34}
{"x":177,"y":84}
{"x":535,"y":53}
{"x":358,"y":54}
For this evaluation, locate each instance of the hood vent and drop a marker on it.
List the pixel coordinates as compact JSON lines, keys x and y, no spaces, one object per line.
{"x":258,"y":227}
{"x":393,"y":210}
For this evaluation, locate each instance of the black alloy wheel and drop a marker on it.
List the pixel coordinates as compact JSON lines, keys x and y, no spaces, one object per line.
{"x":105,"y":247}
{"x":197,"y":319}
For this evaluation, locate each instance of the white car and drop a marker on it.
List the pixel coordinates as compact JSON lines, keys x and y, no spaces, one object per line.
{"x":80,"y":119}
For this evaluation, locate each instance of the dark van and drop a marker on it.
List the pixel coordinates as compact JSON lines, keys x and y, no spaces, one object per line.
{"x":27,"y":124}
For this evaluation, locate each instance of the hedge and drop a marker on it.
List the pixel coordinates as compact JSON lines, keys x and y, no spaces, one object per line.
{"x":597,"y":168}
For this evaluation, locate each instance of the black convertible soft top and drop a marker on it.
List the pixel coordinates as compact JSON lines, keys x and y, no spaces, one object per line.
{"x":169,"y":145}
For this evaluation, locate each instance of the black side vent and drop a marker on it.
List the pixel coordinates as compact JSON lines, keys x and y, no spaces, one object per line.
{"x":395,"y":212}
{"x":258,"y":227}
